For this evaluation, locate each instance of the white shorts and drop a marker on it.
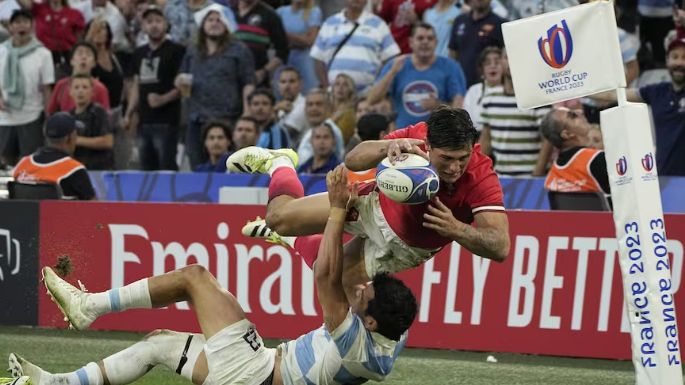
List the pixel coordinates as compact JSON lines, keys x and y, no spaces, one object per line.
{"x":383,"y":250}
{"x":236,"y":355}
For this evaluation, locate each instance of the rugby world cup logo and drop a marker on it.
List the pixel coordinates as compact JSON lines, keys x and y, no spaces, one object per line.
{"x":557,"y":48}
{"x":622,"y":166}
{"x":648,"y":162}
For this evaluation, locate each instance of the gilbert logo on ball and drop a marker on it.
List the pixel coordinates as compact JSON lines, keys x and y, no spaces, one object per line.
{"x":411,"y":180}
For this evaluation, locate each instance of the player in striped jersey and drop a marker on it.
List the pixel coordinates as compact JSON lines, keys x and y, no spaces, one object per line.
{"x":365,"y":324}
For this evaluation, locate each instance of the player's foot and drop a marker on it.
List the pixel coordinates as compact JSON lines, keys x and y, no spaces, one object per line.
{"x":70,"y":300}
{"x":20,"y":367}
{"x":254,"y":159}
{"x":258,"y":229}
{"x":23,"y":380}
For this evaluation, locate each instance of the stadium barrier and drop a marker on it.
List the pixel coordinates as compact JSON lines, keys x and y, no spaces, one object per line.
{"x":559,"y":292}
{"x":136,"y":186}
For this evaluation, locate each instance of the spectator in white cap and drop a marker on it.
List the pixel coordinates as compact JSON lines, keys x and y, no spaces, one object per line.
{"x":183,"y":21}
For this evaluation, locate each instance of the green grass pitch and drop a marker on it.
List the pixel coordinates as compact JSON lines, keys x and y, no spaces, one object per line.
{"x":66,"y":350}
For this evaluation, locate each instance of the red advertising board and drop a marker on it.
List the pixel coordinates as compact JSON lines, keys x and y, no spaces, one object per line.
{"x":558,"y":293}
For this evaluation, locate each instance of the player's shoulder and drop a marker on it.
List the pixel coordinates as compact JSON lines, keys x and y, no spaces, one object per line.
{"x":479,"y":168}
{"x":414,"y":131}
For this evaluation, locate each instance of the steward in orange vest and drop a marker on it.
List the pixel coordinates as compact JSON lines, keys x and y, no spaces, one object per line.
{"x":53,"y":163}
{"x":578,"y":168}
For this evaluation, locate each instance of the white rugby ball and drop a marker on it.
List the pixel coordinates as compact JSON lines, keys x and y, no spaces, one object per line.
{"x":411,"y":180}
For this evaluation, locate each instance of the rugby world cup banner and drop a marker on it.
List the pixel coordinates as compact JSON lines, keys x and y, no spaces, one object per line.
{"x":642,"y":237}
{"x":558,"y":293}
{"x":564,"y":54}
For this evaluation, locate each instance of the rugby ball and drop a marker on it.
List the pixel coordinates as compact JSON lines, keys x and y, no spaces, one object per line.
{"x":411,"y":180}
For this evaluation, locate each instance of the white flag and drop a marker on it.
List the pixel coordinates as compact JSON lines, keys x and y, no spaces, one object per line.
{"x":564,"y":54}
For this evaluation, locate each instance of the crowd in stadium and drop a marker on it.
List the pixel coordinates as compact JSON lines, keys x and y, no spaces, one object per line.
{"x":181,"y":84}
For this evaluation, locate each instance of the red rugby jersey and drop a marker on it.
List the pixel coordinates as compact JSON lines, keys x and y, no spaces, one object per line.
{"x":477,"y":190}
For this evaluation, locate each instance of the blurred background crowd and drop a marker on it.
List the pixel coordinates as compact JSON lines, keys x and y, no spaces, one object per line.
{"x":181,"y":84}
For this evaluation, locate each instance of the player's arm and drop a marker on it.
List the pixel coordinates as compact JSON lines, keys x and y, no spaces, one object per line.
{"x":488,"y":239}
{"x":329,"y":263}
{"x":368,"y":154}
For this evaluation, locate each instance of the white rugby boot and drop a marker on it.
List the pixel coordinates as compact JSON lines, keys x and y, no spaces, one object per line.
{"x":70,"y":300}
{"x":253,"y":160}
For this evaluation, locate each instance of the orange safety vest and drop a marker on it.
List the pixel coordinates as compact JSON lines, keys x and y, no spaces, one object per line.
{"x":361,"y":176}
{"x":28,"y":171}
{"x":575,"y":175}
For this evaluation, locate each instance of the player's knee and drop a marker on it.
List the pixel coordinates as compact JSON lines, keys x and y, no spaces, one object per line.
{"x":194,"y":273}
{"x":277,"y":222}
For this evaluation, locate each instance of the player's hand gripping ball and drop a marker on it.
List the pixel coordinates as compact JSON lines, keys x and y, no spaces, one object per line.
{"x":411,"y":180}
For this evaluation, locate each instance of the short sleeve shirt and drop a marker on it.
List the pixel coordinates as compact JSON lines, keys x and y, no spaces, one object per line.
{"x":477,"y":190}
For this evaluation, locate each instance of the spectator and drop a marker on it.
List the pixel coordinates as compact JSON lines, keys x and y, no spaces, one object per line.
{"x":510,"y":135}
{"x":441,"y":17}
{"x":53,"y":163}
{"x":107,"y":11}
{"x":58,"y":27}
{"x":519,"y":9}
{"x":324,"y":159}
{"x":82,"y":63}
{"x":95,"y":141}
{"x":491,"y":72}
{"x":153,"y":96}
{"x":110,"y":73}
{"x":578,"y":168}
{"x":371,"y":126}
{"x":182,"y":19}
{"x":667,"y":100}
{"x":245,"y":133}
{"x":261,"y":103}
{"x":656,"y":20}
{"x":354,"y":42}
{"x":107,"y":68}
{"x":471,"y":33}
{"x":302,"y":20}
{"x":223,"y":76}
{"x":318,"y":111}
{"x":261,"y":29}
{"x":344,"y":98}
{"x":26,"y":73}
{"x":290,"y":109}
{"x":216,"y":135}
{"x":401,"y":15}
{"x":419,"y":82}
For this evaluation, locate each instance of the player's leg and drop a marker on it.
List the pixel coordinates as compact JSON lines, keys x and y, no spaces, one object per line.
{"x":289,"y":212}
{"x":180,"y":352}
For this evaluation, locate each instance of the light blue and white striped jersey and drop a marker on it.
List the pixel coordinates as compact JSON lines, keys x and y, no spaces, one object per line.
{"x":655,"y":8}
{"x":349,"y":355}
{"x":362,"y":55}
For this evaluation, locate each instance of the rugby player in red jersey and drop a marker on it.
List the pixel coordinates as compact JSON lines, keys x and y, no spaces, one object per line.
{"x":392,"y":236}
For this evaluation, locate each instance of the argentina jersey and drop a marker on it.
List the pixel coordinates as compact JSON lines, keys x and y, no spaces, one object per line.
{"x":349,"y":355}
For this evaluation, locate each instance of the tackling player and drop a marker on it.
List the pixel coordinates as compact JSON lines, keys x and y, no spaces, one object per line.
{"x":364,"y":327}
{"x":396,"y":236}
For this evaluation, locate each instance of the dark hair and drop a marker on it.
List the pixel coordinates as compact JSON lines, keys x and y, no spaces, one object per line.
{"x":228,"y":131}
{"x":21,"y":13}
{"x":290,"y":69}
{"x":82,"y":76}
{"x":108,"y":41}
{"x":551,"y":128}
{"x":393,"y":306}
{"x":450,"y":128}
{"x":202,"y":38}
{"x":264,"y":92}
{"x":85,"y":44}
{"x":422,"y":25}
{"x":248,"y":118}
